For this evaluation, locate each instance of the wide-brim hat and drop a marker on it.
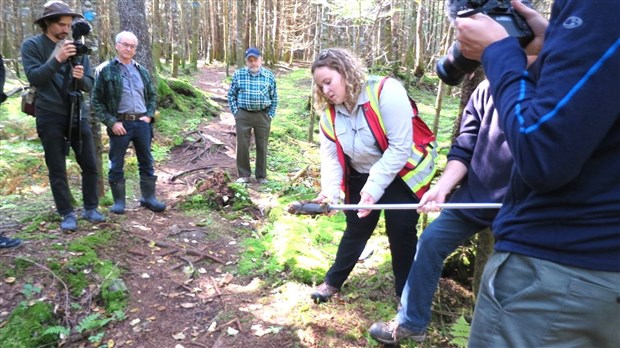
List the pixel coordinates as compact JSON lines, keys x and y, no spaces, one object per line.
{"x":53,"y":9}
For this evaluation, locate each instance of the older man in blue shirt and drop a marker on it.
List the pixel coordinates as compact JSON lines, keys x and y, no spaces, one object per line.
{"x":253,"y":99}
{"x":125,"y":99}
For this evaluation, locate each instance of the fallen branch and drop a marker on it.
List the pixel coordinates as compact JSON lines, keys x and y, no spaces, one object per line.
{"x":202,"y":256}
{"x":173,"y":251}
{"x":299,"y":174}
{"x":136,"y":252}
{"x":178,"y":175}
{"x":156,"y":243}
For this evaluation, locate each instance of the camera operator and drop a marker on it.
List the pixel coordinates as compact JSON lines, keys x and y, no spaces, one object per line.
{"x":46,"y":59}
{"x":553,"y":279}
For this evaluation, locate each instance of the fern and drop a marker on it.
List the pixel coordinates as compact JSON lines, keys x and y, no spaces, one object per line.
{"x":92,"y":322}
{"x":119,"y":315}
{"x":460,"y":332}
{"x":96,"y":338}
{"x":57,"y":330}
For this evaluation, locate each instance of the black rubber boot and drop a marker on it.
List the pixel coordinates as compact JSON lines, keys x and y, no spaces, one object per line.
{"x":118,"y":192}
{"x":148,"y":200}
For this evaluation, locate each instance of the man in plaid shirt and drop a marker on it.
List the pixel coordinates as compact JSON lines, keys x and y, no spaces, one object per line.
{"x":253,"y":99}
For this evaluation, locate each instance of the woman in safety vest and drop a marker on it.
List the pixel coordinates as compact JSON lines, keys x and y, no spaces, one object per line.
{"x":356,"y":119}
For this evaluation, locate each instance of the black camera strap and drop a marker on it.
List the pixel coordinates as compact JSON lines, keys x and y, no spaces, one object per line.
{"x":489,"y":5}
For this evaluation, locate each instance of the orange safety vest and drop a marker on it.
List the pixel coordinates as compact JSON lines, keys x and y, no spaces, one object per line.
{"x":420,"y":167}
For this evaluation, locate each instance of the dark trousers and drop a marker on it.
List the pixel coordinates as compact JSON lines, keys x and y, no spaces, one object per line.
{"x":141,"y":134}
{"x":52,"y":130}
{"x":260,"y":122}
{"x":400,"y":227}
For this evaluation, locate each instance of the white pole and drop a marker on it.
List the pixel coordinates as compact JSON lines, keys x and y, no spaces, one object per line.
{"x":413,"y":206}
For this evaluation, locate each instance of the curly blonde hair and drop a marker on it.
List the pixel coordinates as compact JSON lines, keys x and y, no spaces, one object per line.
{"x":348,"y":66}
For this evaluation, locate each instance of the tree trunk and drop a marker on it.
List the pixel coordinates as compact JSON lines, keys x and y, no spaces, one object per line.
{"x":484,"y":249}
{"x":93,"y":121}
{"x":420,"y":61}
{"x":195,"y":35}
{"x":173,"y":37}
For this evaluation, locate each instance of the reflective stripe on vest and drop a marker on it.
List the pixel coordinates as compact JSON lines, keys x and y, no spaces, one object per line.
{"x":420,"y":167}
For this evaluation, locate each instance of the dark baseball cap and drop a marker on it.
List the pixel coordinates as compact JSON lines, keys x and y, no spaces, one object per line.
{"x":252,"y":52}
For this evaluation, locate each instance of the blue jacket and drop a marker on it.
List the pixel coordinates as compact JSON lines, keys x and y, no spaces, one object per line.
{"x":481,"y":147}
{"x":562,"y":124}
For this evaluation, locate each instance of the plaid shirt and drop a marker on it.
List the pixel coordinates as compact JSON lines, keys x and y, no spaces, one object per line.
{"x":108,"y":90}
{"x":253,"y":92}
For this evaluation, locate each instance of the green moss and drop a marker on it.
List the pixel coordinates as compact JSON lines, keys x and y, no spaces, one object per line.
{"x":115,"y":295}
{"x":18,"y":269}
{"x":26,"y":325}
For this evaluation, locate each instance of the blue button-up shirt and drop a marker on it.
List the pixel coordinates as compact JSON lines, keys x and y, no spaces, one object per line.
{"x":132,"y":99}
{"x":253,"y":92}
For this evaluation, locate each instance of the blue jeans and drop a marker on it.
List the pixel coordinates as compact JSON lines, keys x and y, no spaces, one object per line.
{"x":529,"y":302}
{"x":141,"y":134}
{"x":437,"y":242}
{"x":52,"y":130}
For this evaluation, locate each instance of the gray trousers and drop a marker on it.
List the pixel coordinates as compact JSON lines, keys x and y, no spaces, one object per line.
{"x":527,"y":302}
{"x":245,"y":122}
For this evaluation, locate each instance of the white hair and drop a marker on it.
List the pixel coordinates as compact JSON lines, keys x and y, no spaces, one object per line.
{"x":122,"y":34}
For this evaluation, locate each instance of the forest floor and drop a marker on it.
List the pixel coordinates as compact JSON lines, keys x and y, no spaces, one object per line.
{"x":179,"y":269}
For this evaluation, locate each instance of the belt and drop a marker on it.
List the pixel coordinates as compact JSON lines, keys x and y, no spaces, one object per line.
{"x":261,"y":110}
{"x":129,"y":117}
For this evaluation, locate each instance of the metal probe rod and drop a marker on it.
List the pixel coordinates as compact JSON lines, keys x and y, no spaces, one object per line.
{"x":413,"y":206}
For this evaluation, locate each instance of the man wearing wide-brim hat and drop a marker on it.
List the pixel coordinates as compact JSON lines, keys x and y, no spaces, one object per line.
{"x":60,"y":75}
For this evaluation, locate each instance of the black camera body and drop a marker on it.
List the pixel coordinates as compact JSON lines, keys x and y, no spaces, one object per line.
{"x":79,"y":29}
{"x":453,"y":67}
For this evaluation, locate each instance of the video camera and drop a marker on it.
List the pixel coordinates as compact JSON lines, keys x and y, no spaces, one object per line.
{"x":453,"y":67}
{"x":79,"y":29}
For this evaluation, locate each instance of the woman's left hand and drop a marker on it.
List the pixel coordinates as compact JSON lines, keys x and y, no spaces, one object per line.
{"x":366,"y":199}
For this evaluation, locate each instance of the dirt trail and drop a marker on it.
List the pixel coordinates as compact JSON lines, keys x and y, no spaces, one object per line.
{"x":179,"y":269}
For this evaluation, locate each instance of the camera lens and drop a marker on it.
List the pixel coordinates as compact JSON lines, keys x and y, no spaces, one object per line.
{"x":453,"y":67}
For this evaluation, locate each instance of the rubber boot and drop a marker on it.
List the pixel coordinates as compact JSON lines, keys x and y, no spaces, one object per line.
{"x":148,"y":200}
{"x":118,"y":193}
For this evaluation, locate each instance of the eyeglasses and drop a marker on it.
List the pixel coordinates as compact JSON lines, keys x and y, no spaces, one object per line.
{"x":126,"y":45}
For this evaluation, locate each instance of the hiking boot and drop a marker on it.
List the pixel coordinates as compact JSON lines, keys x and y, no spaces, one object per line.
{"x":93,"y":215}
{"x":9,"y":242}
{"x":243,"y":180}
{"x":69,"y":222}
{"x":392,"y":333}
{"x":262,"y":180}
{"x":323,"y":293}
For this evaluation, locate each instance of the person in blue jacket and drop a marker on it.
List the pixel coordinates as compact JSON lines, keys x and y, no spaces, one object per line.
{"x":554,"y":278}
{"x":480,"y":162}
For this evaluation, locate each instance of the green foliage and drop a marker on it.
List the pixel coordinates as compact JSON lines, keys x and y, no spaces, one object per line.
{"x":460,"y":332}
{"x":115,"y":295}
{"x":19,"y":267}
{"x":27,"y":325}
{"x":182,"y":108}
{"x":201,"y":201}
{"x":30,"y":290}
{"x":57,"y":331}
{"x":92,"y":322}
{"x":241,"y":198}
